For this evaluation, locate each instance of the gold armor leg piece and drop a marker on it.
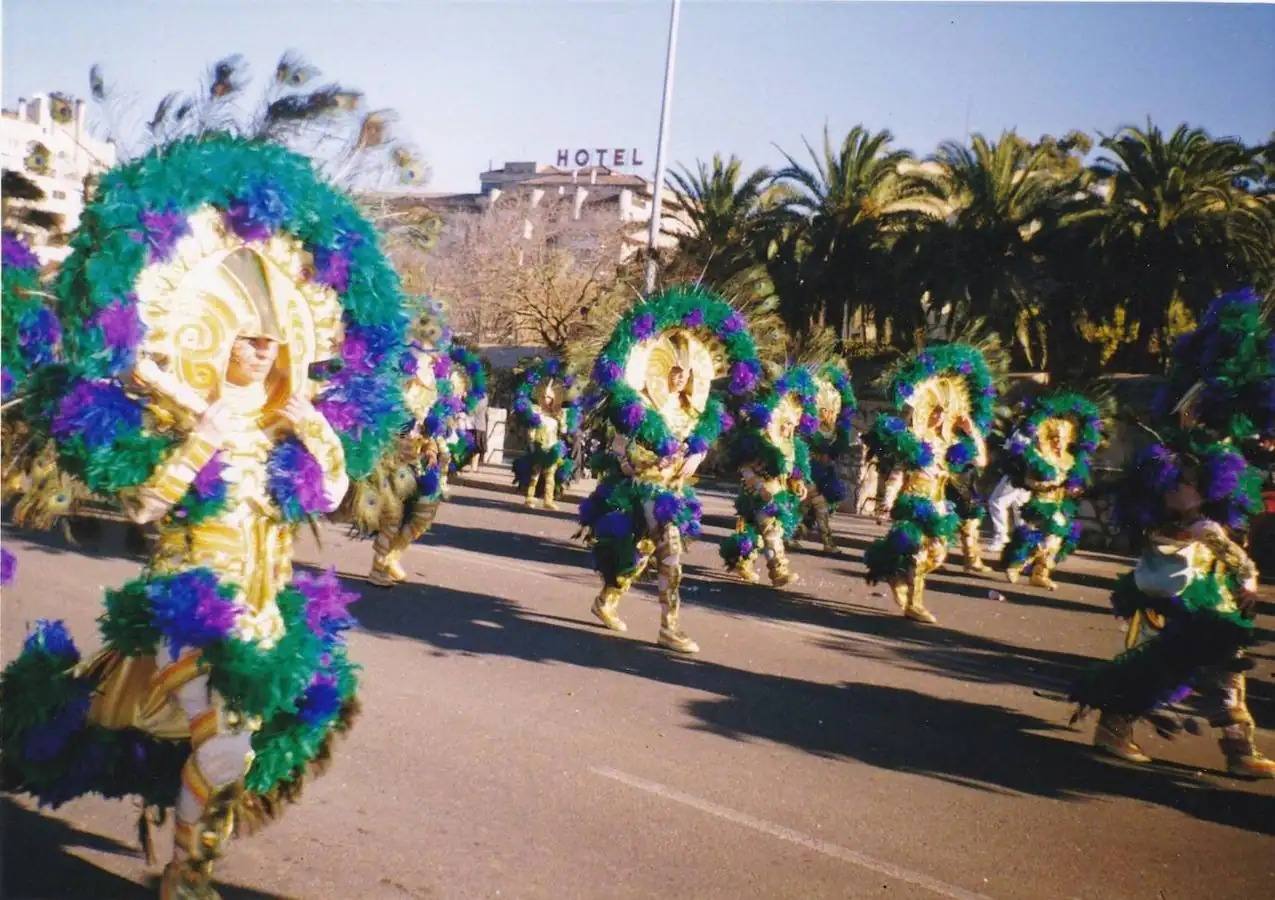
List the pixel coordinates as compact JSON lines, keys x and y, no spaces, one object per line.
{"x":772,"y":540}
{"x":1237,"y":742}
{"x":901,"y":591}
{"x":550,"y":485}
{"x":930,"y":557}
{"x":823,"y":519}
{"x":1043,"y":563}
{"x":211,"y":783}
{"x":972,"y":549}
{"x":669,"y":556}
{"x":530,"y":499}
{"x":386,"y":571}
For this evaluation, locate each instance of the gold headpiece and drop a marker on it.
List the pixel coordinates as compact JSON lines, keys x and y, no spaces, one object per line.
{"x":215,"y":288}
{"x":786,"y":417}
{"x":460,"y":382}
{"x":1055,"y":437}
{"x":947,"y":393}
{"x":828,"y":402}
{"x":421,"y":391}
{"x":548,"y":394}
{"x":652,"y":361}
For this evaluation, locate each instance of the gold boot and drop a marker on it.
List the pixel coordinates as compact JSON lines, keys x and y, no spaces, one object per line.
{"x":606,"y":607}
{"x":1114,"y":736}
{"x":668,"y":553}
{"x":974,"y":564}
{"x":781,"y":575}
{"x":916,"y":610}
{"x":550,"y":488}
{"x":187,"y":880}
{"x":672,"y":637}
{"x":743,"y":569}
{"x":386,"y":572}
{"x":1242,"y":756}
{"x":199,"y":844}
{"x":1040,"y":578}
{"x":1013,"y":573}
{"x":901,"y":591}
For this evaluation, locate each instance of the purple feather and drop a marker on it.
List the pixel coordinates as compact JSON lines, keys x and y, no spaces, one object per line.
{"x":97,"y":411}
{"x":161,"y":230}
{"x":631,"y":416}
{"x":332,"y":268}
{"x":121,"y":326}
{"x":17,"y":254}
{"x":607,"y":372}
{"x":8,"y":567}
{"x":189,"y":610}
{"x":666,"y":508}
{"x":294,"y":480}
{"x":327,"y":602}
{"x":643,"y":326}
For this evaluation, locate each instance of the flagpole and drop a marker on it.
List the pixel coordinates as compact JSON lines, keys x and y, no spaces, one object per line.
{"x":669,"y":61}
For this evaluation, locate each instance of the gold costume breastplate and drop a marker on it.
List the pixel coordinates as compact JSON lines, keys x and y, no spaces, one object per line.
{"x":248,"y":543}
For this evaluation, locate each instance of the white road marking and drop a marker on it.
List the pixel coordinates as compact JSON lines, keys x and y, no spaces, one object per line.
{"x":836,"y":851}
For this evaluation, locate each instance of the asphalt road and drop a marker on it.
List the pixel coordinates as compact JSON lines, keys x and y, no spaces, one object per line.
{"x":819,"y":746}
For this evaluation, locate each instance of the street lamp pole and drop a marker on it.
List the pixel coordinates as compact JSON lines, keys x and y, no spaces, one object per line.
{"x":670,"y":59}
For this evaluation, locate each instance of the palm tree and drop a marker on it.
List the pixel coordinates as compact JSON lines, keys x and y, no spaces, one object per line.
{"x":1007,"y":200}
{"x":838,"y":225}
{"x":1181,"y":223}
{"x":719,"y":209}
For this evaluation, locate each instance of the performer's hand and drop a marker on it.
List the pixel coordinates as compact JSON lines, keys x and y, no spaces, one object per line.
{"x":215,"y":424}
{"x":297,"y":410}
{"x":692,"y":464}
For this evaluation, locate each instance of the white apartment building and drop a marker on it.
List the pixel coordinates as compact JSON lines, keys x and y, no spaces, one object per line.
{"x":46,"y":140}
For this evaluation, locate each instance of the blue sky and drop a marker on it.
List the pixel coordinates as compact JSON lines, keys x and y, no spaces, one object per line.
{"x":475,"y":82}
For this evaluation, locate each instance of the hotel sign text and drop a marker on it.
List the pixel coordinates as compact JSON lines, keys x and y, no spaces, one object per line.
{"x":600,"y":156}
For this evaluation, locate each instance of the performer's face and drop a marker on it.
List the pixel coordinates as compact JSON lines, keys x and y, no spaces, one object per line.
{"x":677,"y":379}
{"x":251,"y":359}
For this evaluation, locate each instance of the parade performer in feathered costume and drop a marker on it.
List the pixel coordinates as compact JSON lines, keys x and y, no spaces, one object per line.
{"x":1192,"y":597}
{"x":30,"y":350}
{"x":215,"y":288}
{"x":398,"y":501}
{"x":1190,"y":602}
{"x":469,"y":384}
{"x":1052,"y":451}
{"x":769,"y":449}
{"x":943,"y":403}
{"x":656,"y":375}
{"x":965,"y":466}
{"x":548,"y":406}
{"x":829,"y":444}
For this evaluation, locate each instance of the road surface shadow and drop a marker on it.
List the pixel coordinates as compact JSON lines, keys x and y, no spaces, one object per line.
{"x":513,"y":503}
{"x":983,"y":747}
{"x":39,"y":862}
{"x":511,"y":544}
{"x":95,"y":538}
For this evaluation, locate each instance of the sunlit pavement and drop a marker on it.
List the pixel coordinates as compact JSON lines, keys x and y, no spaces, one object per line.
{"x":819,"y":746}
